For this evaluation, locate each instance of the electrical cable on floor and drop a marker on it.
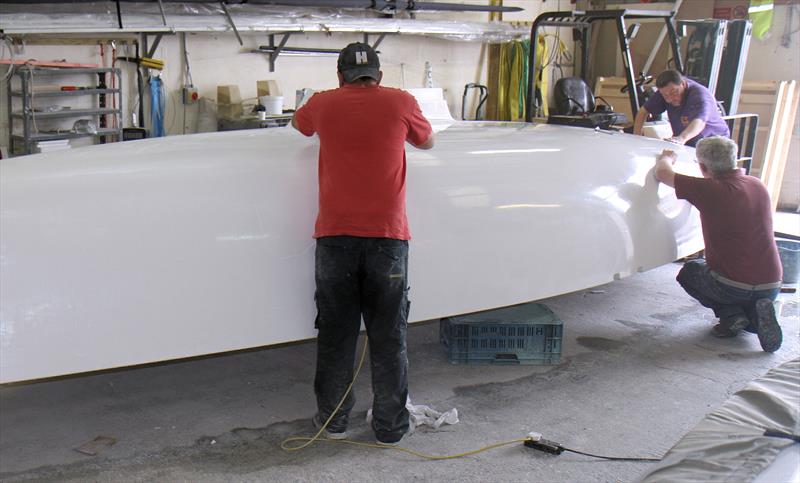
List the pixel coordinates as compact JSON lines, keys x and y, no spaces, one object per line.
{"x":401,"y":449}
{"x":309,"y":441}
{"x":533,"y":440}
{"x":317,"y":437}
{"x":612,"y":458}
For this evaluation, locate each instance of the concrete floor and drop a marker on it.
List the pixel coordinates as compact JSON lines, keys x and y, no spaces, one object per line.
{"x":639,"y":371}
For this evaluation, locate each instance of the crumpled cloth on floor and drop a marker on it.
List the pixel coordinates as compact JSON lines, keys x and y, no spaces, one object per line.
{"x":421,"y":415}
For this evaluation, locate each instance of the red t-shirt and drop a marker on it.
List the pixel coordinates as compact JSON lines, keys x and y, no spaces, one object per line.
{"x":362,"y":158}
{"x":736,"y":214}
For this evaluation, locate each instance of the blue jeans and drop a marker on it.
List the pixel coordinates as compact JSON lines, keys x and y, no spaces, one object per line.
{"x":727,"y":302}
{"x":366,"y":277}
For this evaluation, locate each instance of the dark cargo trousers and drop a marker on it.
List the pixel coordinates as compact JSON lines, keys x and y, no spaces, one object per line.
{"x":366,"y":277}
{"x":727,"y":302}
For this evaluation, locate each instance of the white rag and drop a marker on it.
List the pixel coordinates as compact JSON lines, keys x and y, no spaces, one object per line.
{"x":424,"y":416}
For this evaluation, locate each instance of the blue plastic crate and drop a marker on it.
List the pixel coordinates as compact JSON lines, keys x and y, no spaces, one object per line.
{"x":521,"y":334}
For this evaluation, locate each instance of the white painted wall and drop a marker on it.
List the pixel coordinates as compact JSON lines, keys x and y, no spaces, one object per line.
{"x":769,"y":60}
{"x":218,"y":59}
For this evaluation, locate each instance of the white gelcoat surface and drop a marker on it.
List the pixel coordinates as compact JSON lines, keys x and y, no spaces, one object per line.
{"x":145,"y":251}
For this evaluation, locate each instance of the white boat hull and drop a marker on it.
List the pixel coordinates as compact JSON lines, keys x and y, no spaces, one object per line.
{"x":138,"y":252}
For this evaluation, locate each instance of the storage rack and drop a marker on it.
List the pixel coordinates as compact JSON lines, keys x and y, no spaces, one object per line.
{"x":25,"y":142}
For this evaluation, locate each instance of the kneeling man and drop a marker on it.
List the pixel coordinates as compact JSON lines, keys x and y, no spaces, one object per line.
{"x":740,"y":277}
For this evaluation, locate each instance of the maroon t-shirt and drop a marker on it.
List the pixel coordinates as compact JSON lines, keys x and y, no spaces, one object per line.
{"x":736,"y":214}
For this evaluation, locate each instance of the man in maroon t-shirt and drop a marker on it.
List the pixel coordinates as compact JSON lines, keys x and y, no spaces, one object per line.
{"x":362,"y":239}
{"x":741,"y":274}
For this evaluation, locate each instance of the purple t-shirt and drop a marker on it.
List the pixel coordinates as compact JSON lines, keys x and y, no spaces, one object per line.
{"x":698,"y":103}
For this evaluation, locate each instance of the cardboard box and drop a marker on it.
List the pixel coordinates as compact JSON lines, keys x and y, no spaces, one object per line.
{"x":731,"y":9}
{"x":228,"y":95}
{"x":230,"y":111}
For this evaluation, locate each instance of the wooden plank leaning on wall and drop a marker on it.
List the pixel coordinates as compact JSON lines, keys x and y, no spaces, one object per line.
{"x":780,"y":137}
{"x":759,"y":97}
{"x":493,"y":82}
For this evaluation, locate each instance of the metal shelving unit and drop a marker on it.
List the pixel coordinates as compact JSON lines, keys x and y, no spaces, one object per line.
{"x":24,"y":142}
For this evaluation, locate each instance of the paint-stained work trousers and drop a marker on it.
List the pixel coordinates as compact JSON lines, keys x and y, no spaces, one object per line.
{"x":366,"y":277}
{"x":727,"y":302}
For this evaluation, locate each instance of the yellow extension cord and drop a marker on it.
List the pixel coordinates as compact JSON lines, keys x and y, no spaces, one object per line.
{"x":317,"y":437}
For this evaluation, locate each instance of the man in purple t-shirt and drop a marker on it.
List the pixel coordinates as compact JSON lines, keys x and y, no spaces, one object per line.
{"x":692,"y":110}
{"x":741,"y":274}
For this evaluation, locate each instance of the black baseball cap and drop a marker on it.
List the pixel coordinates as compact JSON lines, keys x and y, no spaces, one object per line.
{"x":358,"y":60}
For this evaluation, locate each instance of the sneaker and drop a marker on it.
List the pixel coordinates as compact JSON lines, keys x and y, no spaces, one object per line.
{"x":390,"y":440}
{"x":392,"y":444}
{"x":318,"y":422}
{"x":769,"y":331}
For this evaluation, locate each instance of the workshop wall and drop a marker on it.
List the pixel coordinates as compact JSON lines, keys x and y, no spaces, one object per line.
{"x":777,"y":57}
{"x":402,"y":61}
{"x":218,"y":59}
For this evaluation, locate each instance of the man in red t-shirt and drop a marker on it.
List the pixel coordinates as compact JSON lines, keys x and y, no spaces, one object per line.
{"x":742,"y":272}
{"x":362,"y":238}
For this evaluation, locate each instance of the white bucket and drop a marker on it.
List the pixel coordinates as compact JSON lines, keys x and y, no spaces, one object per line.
{"x":272,"y":104}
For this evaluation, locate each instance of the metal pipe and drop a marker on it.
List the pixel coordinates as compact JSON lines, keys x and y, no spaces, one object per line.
{"x":163,"y":15}
{"x":230,"y":21}
{"x":382,"y":5}
{"x":659,"y":40}
{"x":624,"y":46}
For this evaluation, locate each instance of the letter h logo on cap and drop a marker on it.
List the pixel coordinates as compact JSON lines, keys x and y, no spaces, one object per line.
{"x":359,"y":60}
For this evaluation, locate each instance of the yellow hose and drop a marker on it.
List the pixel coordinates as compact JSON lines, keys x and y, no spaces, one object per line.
{"x":512,"y":89}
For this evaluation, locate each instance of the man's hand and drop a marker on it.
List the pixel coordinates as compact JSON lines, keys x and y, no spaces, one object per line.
{"x":307,"y":95}
{"x":663,"y":167}
{"x":676,"y":140}
{"x":667,"y":155}
{"x":689,"y":132}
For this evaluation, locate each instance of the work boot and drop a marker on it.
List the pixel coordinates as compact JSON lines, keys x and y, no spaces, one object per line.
{"x":722,"y":331}
{"x":393,"y":441}
{"x":387,"y":439}
{"x":769,"y":331}
{"x":737,"y":323}
{"x":730,"y":326}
